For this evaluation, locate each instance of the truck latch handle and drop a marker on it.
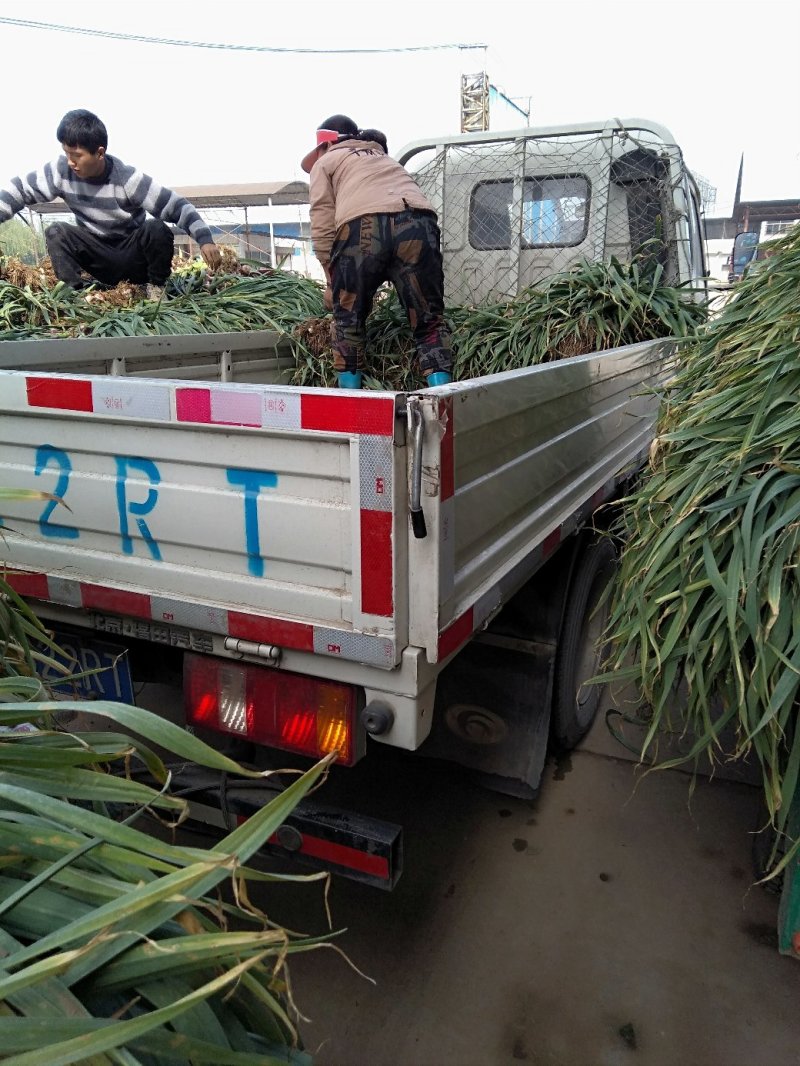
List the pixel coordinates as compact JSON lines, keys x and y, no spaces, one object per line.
{"x":416,"y":429}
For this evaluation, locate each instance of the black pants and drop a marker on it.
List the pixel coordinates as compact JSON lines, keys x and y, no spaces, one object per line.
{"x":403,"y":248}
{"x":145,"y":255}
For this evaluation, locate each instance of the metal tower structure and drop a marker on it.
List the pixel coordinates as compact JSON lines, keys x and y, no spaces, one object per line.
{"x":475,"y":102}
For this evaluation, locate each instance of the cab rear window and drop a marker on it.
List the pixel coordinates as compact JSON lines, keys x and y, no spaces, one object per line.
{"x":555,"y":212}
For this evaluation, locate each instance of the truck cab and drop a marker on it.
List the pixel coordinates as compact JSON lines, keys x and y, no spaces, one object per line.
{"x":516,"y":207}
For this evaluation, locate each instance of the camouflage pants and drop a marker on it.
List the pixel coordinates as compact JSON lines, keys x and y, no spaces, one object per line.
{"x":402,"y":248}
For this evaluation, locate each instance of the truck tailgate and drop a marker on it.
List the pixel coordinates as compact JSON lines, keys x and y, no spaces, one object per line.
{"x":265,"y":513}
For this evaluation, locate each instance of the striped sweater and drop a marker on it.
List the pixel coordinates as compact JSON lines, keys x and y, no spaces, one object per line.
{"x":110,"y":207}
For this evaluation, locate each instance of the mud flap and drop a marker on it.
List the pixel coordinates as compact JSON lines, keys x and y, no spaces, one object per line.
{"x":492,"y":712}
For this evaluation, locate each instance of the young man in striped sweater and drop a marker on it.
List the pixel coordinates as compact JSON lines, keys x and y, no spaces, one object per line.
{"x":114,"y":240}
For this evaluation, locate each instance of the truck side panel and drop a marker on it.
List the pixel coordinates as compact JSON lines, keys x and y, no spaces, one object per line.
{"x":523,"y":459}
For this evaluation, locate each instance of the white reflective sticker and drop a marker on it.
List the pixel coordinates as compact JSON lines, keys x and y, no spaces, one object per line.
{"x":65,"y":590}
{"x":357,"y":647}
{"x":131,"y":399}
{"x":13,"y":391}
{"x":280,"y":410}
{"x":375,"y":456}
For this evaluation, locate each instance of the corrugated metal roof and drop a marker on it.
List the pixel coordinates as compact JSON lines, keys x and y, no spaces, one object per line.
{"x":256,"y":194}
{"x":253,"y":194}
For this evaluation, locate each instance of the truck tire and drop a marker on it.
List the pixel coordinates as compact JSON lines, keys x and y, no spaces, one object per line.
{"x":579,"y":655}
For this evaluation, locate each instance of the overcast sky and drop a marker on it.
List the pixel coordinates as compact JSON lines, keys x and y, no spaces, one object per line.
{"x":723,"y":77}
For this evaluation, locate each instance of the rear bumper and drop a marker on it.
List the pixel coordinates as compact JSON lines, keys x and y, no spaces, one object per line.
{"x":313,"y":837}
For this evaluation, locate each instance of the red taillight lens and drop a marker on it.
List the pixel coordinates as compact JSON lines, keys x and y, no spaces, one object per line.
{"x":269,"y":707}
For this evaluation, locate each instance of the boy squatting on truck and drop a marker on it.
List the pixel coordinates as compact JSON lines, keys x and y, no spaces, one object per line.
{"x":113,"y":240}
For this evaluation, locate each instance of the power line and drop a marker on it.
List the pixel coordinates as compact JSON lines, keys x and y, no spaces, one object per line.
{"x":29,"y":24}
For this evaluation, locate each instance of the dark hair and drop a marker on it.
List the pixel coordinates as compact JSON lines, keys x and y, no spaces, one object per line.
{"x":374,"y":135}
{"x":347,"y":128}
{"x":82,"y":129}
{"x":339,"y":124}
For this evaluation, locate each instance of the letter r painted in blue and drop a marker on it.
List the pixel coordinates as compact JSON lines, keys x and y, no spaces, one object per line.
{"x":150,"y":470}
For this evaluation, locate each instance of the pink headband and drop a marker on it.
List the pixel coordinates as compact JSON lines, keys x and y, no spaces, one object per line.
{"x":324,"y":136}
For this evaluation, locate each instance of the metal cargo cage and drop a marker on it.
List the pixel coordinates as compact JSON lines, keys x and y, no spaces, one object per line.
{"x":515,"y":208}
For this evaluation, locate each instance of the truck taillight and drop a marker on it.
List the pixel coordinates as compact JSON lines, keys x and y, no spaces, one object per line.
{"x":278,"y":709}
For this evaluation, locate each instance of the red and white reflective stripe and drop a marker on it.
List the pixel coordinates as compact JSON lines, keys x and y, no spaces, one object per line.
{"x":322,"y":640}
{"x":458,"y":632}
{"x":255,"y":406}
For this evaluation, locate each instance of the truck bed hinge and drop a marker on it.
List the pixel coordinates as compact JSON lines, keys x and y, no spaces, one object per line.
{"x":271,"y":652}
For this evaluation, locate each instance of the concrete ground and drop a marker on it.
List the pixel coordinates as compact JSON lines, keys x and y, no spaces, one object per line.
{"x":601,"y":925}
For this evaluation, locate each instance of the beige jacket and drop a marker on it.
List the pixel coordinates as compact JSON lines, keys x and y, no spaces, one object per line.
{"x":356,"y":178}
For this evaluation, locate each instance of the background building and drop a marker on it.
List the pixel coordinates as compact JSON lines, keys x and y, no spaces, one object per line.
{"x":766,"y":219}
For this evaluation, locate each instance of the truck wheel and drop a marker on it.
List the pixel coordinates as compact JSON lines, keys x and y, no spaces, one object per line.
{"x":579,"y":655}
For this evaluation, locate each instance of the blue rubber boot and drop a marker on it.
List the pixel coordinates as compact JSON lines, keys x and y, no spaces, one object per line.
{"x":348,"y":380}
{"x":441,"y":377}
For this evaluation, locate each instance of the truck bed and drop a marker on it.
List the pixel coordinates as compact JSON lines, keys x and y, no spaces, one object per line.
{"x":207,"y":497}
